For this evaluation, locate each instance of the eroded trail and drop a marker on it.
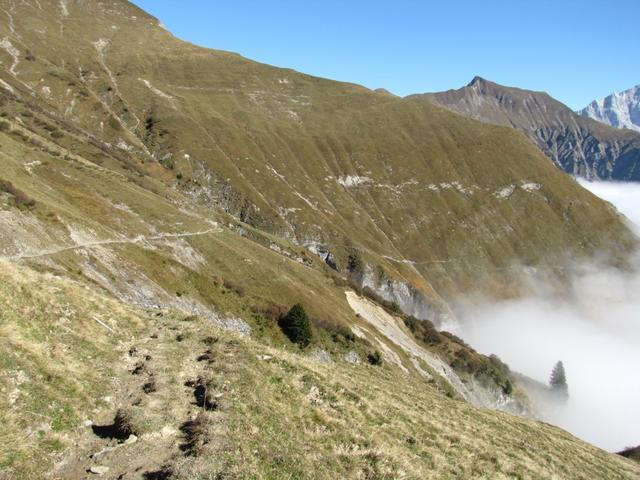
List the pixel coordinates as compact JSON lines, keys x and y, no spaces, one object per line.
{"x":167,"y":404}
{"x":98,"y":243}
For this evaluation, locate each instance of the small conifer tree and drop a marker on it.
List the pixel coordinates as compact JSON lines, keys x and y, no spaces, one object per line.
{"x":296,"y":326}
{"x":558,"y":380}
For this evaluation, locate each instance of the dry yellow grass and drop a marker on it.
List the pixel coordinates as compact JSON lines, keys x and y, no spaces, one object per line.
{"x":66,"y":349}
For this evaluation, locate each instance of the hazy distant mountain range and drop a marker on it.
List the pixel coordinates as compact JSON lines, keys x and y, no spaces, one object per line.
{"x":580,"y":146}
{"x":620,"y":110}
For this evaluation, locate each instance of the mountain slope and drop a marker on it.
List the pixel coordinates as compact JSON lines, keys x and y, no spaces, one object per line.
{"x":620,"y":109}
{"x":155,"y":195}
{"x":426,"y":203}
{"x":578,"y":145}
{"x":267,"y":413}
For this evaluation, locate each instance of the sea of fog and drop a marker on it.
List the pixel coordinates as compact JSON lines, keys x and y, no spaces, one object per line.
{"x":595,"y":332}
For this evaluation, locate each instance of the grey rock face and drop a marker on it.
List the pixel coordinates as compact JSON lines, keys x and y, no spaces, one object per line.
{"x":352,"y":357}
{"x":619,"y":110}
{"x":320,"y":356}
{"x":410,"y":301}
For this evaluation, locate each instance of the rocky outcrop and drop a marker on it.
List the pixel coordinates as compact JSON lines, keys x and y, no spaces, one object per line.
{"x":578,"y":152}
{"x":409,"y":299}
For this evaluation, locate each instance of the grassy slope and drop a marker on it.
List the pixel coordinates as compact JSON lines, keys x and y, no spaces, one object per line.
{"x":88,"y":190}
{"x":76,"y":202}
{"x":58,"y":321}
{"x":279,"y":416}
{"x":270,"y":145}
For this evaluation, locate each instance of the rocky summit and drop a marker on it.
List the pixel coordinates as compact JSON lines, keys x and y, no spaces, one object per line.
{"x":620,"y":109}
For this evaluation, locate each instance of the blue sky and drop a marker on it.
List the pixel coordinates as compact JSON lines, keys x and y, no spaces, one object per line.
{"x":575,"y":50}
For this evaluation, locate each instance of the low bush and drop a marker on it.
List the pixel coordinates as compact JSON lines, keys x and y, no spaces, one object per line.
{"x":343,"y":335}
{"x":234,"y":287}
{"x":272,"y":312}
{"x":375,"y":358}
{"x":455,"y":339}
{"x":20,"y":198}
{"x":355,"y":265}
{"x":423,"y":330}
{"x":489,"y":370}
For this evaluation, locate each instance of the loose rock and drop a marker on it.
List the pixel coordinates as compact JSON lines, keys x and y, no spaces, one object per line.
{"x":99,"y":470}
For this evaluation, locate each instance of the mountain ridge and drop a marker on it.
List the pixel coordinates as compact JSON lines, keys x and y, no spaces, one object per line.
{"x":580,"y":146}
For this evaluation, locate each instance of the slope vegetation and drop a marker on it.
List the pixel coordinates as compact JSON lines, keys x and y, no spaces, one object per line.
{"x":161,"y":207}
{"x":425,"y":203}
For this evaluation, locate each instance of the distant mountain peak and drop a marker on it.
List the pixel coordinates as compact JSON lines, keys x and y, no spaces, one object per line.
{"x":620,"y":109}
{"x":477,"y":80}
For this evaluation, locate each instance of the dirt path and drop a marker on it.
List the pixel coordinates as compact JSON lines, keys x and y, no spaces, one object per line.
{"x":171,"y":387}
{"x":137,"y":240}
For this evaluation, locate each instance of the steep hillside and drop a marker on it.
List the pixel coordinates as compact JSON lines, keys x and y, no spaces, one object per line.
{"x":407,"y":198}
{"x":620,"y":109}
{"x":150,"y":246}
{"x":161,"y":207}
{"x":93,"y":385}
{"x":578,"y":145}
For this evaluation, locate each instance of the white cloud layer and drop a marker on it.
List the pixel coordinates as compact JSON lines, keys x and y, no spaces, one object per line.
{"x":625,"y":196}
{"x":595,"y":331}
